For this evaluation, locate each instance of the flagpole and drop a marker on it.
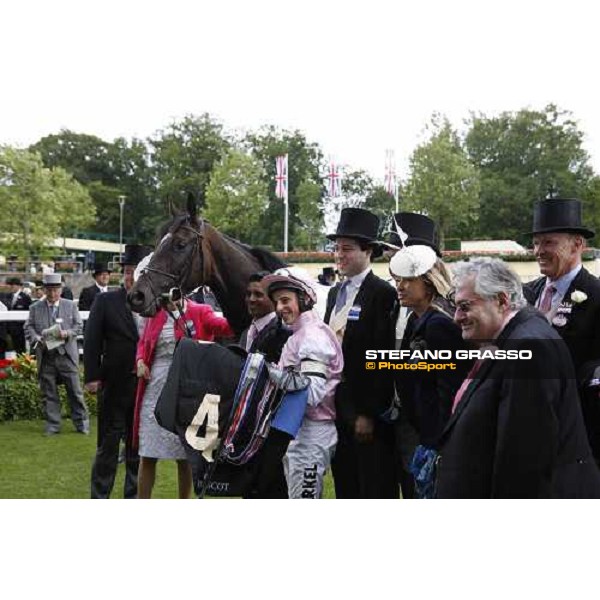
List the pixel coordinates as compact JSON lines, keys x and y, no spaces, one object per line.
{"x":285,"y":220}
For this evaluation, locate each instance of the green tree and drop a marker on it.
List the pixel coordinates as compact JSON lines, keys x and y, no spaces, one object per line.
{"x":184,"y":154}
{"x":382,"y":203}
{"x":520,"y":156}
{"x":236,"y":196}
{"x":108,"y":170}
{"x":443,"y":183}
{"x":309,"y":230}
{"x":38,"y":204}
{"x":304,"y":160}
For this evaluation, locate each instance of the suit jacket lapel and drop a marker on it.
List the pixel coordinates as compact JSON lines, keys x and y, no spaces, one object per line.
{"x":484,"y":370}
{"x":473,"y":386}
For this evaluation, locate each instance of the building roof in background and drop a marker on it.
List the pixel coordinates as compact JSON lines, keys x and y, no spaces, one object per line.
{"x":81,"y":245}
{"x":499,"y":246}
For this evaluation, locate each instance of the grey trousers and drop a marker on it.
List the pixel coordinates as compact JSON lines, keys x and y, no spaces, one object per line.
{"x":59,"y":368}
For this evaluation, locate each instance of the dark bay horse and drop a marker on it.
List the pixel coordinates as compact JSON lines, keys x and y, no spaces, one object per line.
{"x":190,"y":253}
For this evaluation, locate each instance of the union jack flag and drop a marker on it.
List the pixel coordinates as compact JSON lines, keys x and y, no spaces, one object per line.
{"x":334,"y":184}
{"x":281,"y":178}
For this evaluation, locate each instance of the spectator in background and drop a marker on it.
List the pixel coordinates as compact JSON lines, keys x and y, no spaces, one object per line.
{"x":52,"y":329}
{"x":101,"y":275}
{"x":17,"y":299}
{"x":37,"y":291}
{"x":327,"y":276}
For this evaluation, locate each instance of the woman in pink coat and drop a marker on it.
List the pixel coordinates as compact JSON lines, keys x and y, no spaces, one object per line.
{"x":154,"y":356}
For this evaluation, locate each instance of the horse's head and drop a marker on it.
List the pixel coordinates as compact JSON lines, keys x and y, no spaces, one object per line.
{"x":177,"y":262}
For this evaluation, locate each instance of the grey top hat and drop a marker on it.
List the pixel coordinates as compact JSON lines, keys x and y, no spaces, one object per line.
{"x":559,"y":215}
{"x":52,"y":280}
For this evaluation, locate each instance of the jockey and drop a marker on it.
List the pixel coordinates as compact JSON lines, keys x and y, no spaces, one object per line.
{"x":314,"y":349}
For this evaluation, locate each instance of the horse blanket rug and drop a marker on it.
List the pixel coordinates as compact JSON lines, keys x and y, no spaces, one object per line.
{"x":222,"y":406}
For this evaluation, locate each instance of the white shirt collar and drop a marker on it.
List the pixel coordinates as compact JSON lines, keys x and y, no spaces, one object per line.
{"x":263,"y":321}
{"x":357,"y":280}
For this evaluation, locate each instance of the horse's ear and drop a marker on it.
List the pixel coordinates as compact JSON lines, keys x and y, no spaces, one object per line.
{"x":191,"y":206}
{"x":171,"y":208}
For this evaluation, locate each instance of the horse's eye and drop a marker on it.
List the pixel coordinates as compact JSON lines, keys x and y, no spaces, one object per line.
{"x":180,"y":245}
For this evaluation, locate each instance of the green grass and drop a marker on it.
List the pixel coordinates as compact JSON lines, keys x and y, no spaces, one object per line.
{"x":35,"y":466}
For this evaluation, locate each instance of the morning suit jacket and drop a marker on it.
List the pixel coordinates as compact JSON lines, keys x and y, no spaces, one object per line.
{"x":518,"y":430}
{"x":581,"y":333}
{"x":366,"y":393}
{"x":270,"y":340}
{"x":582,"y":329}
{"x":40,"y":318}
{"x":87,"y":297}
{"x":110,"y":339}
{"x":23,"y":302}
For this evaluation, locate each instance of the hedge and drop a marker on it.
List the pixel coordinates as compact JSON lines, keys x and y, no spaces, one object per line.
{"x":20,"y":396}
{"x":448,"y":256}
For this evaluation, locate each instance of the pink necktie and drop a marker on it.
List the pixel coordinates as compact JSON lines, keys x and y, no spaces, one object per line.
{"x":466,"y":383}
{"x":546,"y":303}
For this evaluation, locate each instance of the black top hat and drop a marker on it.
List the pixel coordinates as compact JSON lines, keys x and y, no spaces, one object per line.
{"x":14,"y":281}
{"x":357,"y":223}
{"x":328,"y":271}
{"x":100,"y":267}
{"x":421,"y":230}
{"x":559,"y":215}
{"x":134,"y":253}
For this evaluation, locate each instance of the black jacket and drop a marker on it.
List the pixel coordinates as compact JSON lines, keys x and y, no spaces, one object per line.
{"x":427,"y":397}
{"x":87,"y":297}
{"x":367,"y":393}
{"x":581,"y":333}
{"x":518,"y":430}
{"x":270,"y":340}
{"x":110,"y":339}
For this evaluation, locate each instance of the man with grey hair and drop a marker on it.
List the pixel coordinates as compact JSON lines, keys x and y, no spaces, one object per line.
{"x":516,"y":430}
{"x":569,"y":296}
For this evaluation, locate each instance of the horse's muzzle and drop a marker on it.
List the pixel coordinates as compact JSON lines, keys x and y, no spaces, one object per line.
{"x":140,"y":304}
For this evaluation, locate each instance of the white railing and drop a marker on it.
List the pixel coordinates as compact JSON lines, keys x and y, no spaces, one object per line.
{"x":8,"y":316}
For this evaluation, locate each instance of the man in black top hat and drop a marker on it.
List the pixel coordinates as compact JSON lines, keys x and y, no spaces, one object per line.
{"x":16,"y":299}
{"x":569,"y":296}
{"x":327,"y":276}
{"x":109,"y":348}
{"x":101,"y":275}
{"x":360,"y":312}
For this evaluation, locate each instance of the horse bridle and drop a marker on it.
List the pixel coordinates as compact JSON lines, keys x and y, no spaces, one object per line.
{"x":185,"y":271}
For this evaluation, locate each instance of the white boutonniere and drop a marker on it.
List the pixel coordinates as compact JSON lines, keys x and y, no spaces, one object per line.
{"x":578,"y":296}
